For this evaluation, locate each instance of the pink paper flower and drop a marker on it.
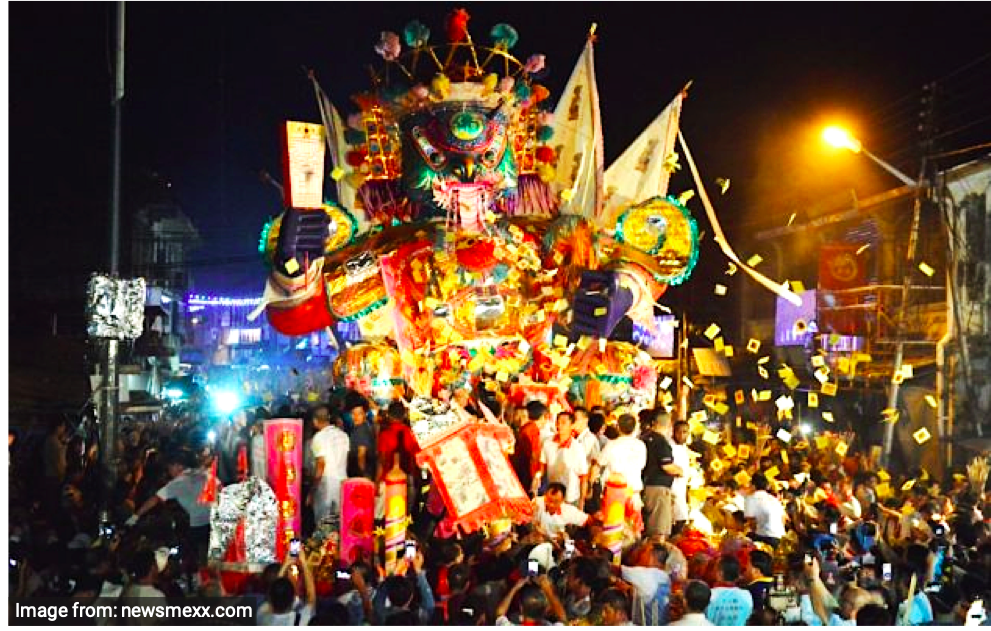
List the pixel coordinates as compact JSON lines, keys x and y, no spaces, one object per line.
{"x":506,"y":84}
{"x":534,"y":64}
{"x":389,"y":46}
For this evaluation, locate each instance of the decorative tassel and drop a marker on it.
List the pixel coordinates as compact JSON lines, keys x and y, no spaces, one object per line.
{"x":209,"y":493}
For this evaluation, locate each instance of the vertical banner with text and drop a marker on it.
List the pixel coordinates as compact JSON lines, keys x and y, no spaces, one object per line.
{"x":284,"y":441}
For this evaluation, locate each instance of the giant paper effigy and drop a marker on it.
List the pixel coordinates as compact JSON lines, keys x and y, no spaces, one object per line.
{"x":476,"y":235}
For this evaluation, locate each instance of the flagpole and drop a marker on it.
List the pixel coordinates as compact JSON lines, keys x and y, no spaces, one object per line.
{"x":111,"y":394}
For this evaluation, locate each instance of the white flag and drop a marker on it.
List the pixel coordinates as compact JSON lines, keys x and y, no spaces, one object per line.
{"x":578,"y":141}
{"x":639,"y":174}
{"x":336,"y":145}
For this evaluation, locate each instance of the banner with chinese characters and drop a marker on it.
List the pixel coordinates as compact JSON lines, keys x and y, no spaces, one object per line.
{"x":284,"y":442}
{"x":304,"y":156}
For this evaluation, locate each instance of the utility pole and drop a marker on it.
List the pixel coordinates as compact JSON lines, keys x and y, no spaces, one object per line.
{"x":926,"y":130}
{"x":110,"y":400}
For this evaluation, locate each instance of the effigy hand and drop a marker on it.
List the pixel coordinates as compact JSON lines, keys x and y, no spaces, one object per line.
{"x":302,"y":235}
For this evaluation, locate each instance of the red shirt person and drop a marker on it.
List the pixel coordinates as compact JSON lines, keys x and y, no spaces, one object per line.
{"x":526,"y":453}
{"x":396,"y":442}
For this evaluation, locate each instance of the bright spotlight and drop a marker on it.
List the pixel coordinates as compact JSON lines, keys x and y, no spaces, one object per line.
{"x":174,"y":393}
{"x":805,"y":428}
{"x":225,"y":401}
{"x":211,"y":436}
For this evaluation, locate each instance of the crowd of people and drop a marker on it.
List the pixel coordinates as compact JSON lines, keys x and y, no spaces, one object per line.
{"x":790,"y":535}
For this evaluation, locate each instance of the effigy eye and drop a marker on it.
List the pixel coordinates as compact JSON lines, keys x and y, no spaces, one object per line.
{"x":467,"y":125}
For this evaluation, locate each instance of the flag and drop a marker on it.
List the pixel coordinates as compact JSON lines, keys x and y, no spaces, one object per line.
{"x":839,"y":266}
{"x":578,"y":141}
{"x":639,"y":173}
{"x":336,"y":145}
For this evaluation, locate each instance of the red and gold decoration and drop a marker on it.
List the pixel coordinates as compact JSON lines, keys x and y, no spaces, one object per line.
{"x":395,"y":517}
{"x":284,"y":441}
{"x":357,"y":520}
{"x":473,"y":475}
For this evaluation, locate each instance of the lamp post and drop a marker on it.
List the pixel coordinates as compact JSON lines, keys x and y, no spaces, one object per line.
{"x":840,"y":138}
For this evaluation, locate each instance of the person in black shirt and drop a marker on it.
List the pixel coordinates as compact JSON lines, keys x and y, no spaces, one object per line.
{"x":760,"y":576}
{"x":658,"y":476}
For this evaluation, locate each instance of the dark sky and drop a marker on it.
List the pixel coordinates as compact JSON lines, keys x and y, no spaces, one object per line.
{"x":209,"y":83}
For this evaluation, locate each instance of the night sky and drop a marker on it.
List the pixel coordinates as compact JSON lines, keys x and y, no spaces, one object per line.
{"x":209,"y":83}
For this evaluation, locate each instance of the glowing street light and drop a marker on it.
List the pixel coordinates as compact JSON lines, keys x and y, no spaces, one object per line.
{"x":841,"y":139}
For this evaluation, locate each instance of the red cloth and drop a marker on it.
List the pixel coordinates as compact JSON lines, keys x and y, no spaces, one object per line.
{"x":398,"y":437}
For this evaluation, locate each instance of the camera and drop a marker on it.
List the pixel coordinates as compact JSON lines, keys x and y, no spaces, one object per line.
{"x":174,"y":551}
{"x":410,"y":550}
{"x":886,"y":574}
{"x":294,"y":547}
{"x":106,"y":531}
{"x":532,"y":568}
{"x":343,"y":575}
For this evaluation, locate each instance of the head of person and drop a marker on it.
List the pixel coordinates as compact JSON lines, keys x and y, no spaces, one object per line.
{"x":581,"y":419}
{"x":582,"y":576}
{"x":554,"y":496}
{"x":872,"y":615}
{"x":281,"y":595}
{"x":615,"y":607}
{"x":565,"y":425}
{"x":536,"y":411}
{"x":760,"y":482}
{"x":697,"y":595}
{"x":175,"y":463}
{"x":627,"y":424}
{"x":451,"y":553}
{"x":143,"y":567}
{"x":533,"y":603}
{"x":399,"y":591}
{"x":680,"y":434}
{"x":852,"y":600}
{"x":729,"y":568}
{"x":761,"y":564}
{"x":359,"y":413}
{"x":596,"y":422}
{"x":321,"y":417}
{"x":396,"y":412}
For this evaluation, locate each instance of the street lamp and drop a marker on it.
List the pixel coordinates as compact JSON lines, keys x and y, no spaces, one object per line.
{"x":841,"y":139}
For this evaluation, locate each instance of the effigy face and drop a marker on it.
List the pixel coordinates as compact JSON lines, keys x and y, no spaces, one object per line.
{"x":457,"y":159}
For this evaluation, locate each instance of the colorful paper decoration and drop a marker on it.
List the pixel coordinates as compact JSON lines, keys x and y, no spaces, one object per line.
{"x":284,"y":442}
{"x":395,"y":517}
{"x":474,"y":476}
{"x":357,"y":520}
{"x":614,"y":508}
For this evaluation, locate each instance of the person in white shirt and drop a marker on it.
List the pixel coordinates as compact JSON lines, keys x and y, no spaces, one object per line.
{"x":697,"y":595}
{"x":590,"y":442}
{"x":330,"y":448}
{"x":766,"y":511}
{"x":563,"y":460}
{"x":679,"y":487}
{"x":185,"y":487}
{"x":259,"y":453}
{"x":626,"y":455}
{"x":552,"y":515}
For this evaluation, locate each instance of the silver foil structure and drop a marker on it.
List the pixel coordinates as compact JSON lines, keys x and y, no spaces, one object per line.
{"x":253,"y":501}
{"x":115,"y":307}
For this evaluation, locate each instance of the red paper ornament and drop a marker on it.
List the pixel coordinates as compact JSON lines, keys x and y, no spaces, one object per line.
{"x":457,"y":26}
{"x":209,"y":493}
{"x":355,"y":158}
{"x":545,"y":154}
